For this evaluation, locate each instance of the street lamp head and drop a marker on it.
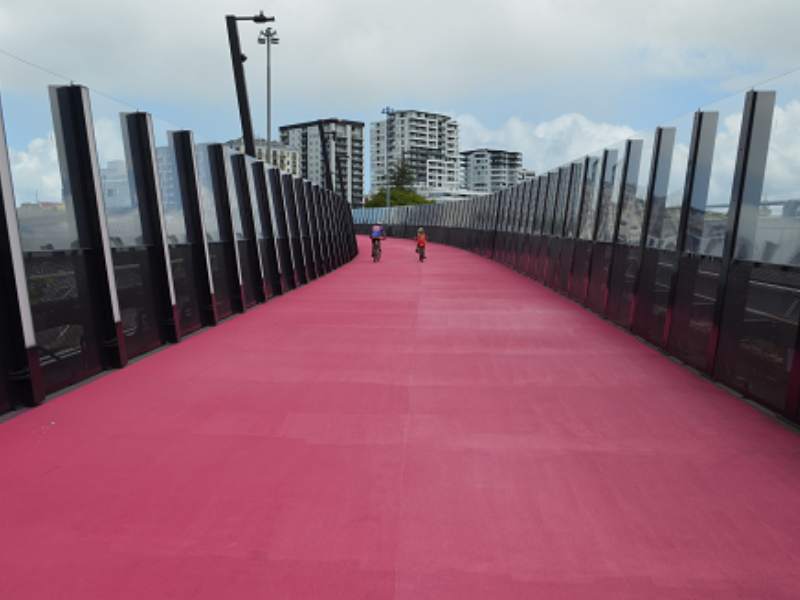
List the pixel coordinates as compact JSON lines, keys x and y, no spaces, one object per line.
{"x":275,"y":40}
{"x":268,"y":35}
{"x":262,"y":18}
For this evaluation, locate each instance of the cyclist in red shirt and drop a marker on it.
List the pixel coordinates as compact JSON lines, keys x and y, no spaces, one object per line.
{"x":422,"y":242}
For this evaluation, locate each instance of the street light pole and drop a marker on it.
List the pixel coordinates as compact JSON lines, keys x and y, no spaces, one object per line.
{"x":388,"y":111}
{"x":237,"y":60}
{"x":269,"y":37}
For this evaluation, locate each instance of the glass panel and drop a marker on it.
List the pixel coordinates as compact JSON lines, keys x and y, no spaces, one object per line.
{"x":550,"y":198}
{"x":220,"y":251}
{"x":136,"y":259}
{"x":186,"y":250}
{"x":56,"y":258}
{"x":561,"y":206}
{"x":302,"y":216}
{"x":533,"y":189}
{"x":634,"y":194}
{"x":235,"y":202}
{"x":663,"y":230}
{"x":206,"y":189}
{"x":527,"y":208}
{"x":591,"y":194}
{"x":512,"y":209}
{"x":44,"y":207}
{"x":276,"y":211}
{"x":707,"y":222}
{"x":520,"y":205}
{"x":574,"y":199}
{"x":117,"y":180}
{"x":503,"y":208}
{"x":169,"y":184}
{"x":253,"y":166}
{"x":610,"y":189}
{"x":777,"y":233}
{"x":541,"y":190}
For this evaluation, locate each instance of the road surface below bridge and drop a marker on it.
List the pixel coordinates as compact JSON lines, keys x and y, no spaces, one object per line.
{"x":447,"y":430}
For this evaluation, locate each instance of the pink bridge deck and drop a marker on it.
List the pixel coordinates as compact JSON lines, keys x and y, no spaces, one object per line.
{"x":449,"y":430}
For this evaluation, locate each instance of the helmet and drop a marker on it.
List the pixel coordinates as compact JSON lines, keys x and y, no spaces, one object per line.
{"x":420,"y":230}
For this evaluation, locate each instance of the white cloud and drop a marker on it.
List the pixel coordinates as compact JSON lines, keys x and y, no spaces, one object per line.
{"x":547,"y":144}
{"x":108,"y":139}
{"x":782,"y":181}
{"x":35,"y":172}
{"x":366,"y":52}
{"x":551,"y":143}
{"x":579,"y":59}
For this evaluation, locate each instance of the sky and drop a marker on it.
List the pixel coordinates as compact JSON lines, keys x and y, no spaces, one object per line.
{"x":552,"y":79}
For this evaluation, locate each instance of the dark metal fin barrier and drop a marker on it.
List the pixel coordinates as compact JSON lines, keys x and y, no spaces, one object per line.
{"x":112,"y":244}
{"x":689,"y":238}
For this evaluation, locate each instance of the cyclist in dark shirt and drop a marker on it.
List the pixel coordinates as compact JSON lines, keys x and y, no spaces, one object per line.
{"x":377,"y":234}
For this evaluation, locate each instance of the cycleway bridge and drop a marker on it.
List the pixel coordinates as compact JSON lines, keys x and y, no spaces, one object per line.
{"x":261,"y":411}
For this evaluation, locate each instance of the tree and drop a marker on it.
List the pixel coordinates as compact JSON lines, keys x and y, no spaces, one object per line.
{"x":400,"y":197}
{"x":401,"y":175}
{"x":401,"y":180}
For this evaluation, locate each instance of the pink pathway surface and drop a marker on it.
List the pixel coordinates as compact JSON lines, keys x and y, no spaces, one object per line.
{"x":450,"y":430}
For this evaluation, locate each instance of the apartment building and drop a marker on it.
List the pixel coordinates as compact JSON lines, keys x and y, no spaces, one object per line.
{"x":426,"y":142}
{"x":286,"y":158}
{"x":330,"y":148}
{"x":488,"y":171}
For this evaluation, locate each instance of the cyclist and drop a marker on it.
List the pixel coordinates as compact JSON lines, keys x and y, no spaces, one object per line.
{"x":422,"y":242}
{"x":377,"y":234}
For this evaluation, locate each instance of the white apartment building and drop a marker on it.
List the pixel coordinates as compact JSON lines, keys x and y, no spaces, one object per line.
{"x":116,"y":185}
{"x":286,"y":158}
{"x":427,"y":142}
{"x":488,"y":171}
{"x":343,"y":150}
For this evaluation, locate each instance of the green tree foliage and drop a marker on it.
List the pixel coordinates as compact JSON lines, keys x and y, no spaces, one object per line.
{"x":400,"y":197}
{"x":401,"y":175}
{"x":401,"y":178}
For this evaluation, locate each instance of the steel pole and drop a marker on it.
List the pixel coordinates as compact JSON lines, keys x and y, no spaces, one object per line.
{"x":269,"y":100}
{"x":241,"y":87}
{"x":388,"y":178}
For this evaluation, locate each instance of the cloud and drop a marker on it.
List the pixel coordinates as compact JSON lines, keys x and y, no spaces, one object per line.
{"x":782,"y":180}
{"x":108,"y":139}
{"x":552,"y":143}
{"x":364,"y":53}
{"x":578,"y":74}
{"x":547,"y":144}
{"x":35,"y":172}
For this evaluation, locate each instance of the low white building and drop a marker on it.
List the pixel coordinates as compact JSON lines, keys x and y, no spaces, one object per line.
{"x":285,"y":157}
{"x":451,"y":195}
{"x":488,"y":171}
